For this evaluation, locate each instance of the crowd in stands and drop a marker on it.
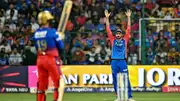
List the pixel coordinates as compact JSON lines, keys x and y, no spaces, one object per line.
{"x":86,"y":38}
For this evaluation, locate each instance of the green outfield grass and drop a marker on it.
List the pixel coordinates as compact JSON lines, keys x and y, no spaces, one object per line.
{"x":94,"y":97}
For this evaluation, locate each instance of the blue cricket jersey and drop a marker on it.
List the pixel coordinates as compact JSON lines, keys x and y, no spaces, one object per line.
{"x":48,"y":40}
{"x":119,"y":47}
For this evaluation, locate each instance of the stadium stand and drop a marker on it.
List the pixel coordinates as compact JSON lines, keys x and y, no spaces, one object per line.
{"x":86,"y":40}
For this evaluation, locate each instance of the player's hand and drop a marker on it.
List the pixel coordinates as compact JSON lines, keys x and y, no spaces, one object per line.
{"x":107,"y":14}
{"x":61,"y":35}
{"x":128,"y":13}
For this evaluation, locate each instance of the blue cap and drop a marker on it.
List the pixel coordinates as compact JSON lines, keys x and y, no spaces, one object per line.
{"x":119,"y":30}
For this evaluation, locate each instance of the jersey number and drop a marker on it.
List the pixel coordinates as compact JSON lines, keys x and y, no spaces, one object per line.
{"x":42,"y":45}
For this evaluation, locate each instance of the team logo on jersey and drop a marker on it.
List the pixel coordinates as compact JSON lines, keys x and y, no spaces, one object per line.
{"x":118,"y":43}
{"x":40,"y":34}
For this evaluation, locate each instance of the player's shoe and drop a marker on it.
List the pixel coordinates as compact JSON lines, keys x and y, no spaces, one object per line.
{"x":131,"y":99}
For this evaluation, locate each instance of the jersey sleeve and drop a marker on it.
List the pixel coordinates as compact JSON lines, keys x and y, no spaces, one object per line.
{"x":58,"y":40}
{"x":110,"y":35}
{"x":127,"y":35}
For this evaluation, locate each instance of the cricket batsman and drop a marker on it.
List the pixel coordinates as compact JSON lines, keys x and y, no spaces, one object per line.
{"x":119,"y":51}
{"x":48,"y":42}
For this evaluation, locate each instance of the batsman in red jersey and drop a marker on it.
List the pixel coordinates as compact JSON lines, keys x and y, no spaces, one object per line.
{"x":48,"y":42}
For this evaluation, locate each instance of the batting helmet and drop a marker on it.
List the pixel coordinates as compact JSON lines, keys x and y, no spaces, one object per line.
{"x":44,"y":17}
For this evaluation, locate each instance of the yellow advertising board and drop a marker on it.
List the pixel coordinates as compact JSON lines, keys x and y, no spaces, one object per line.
{"x":140,"y":76}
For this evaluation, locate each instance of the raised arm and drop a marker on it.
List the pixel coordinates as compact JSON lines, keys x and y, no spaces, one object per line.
{"x":109,"y":32}
{"x":128,"y":30}
{"x":156,"y":7}
{"x":107,"y":14}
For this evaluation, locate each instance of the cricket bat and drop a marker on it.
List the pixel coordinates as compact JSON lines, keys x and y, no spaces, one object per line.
{"x":61,"y":89}
{"x":61,"y":28}
{"x":64,"y":17}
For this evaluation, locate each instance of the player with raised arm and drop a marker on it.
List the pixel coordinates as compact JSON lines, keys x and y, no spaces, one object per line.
{"x":48,"y":42}
{"x":119,"y":51}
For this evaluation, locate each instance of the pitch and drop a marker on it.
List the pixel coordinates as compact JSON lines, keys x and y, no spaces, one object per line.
{"x":94,"y":97}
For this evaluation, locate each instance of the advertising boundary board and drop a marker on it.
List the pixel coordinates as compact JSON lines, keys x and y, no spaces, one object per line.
{"x":14,"y":79}
{"x":98,"y":78}
{"x":14,"y":90}
{"x":92,"y":78}
{"x":99,"y":89}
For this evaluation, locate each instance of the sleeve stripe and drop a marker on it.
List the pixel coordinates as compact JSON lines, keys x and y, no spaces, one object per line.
{"x":59,"y":38}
